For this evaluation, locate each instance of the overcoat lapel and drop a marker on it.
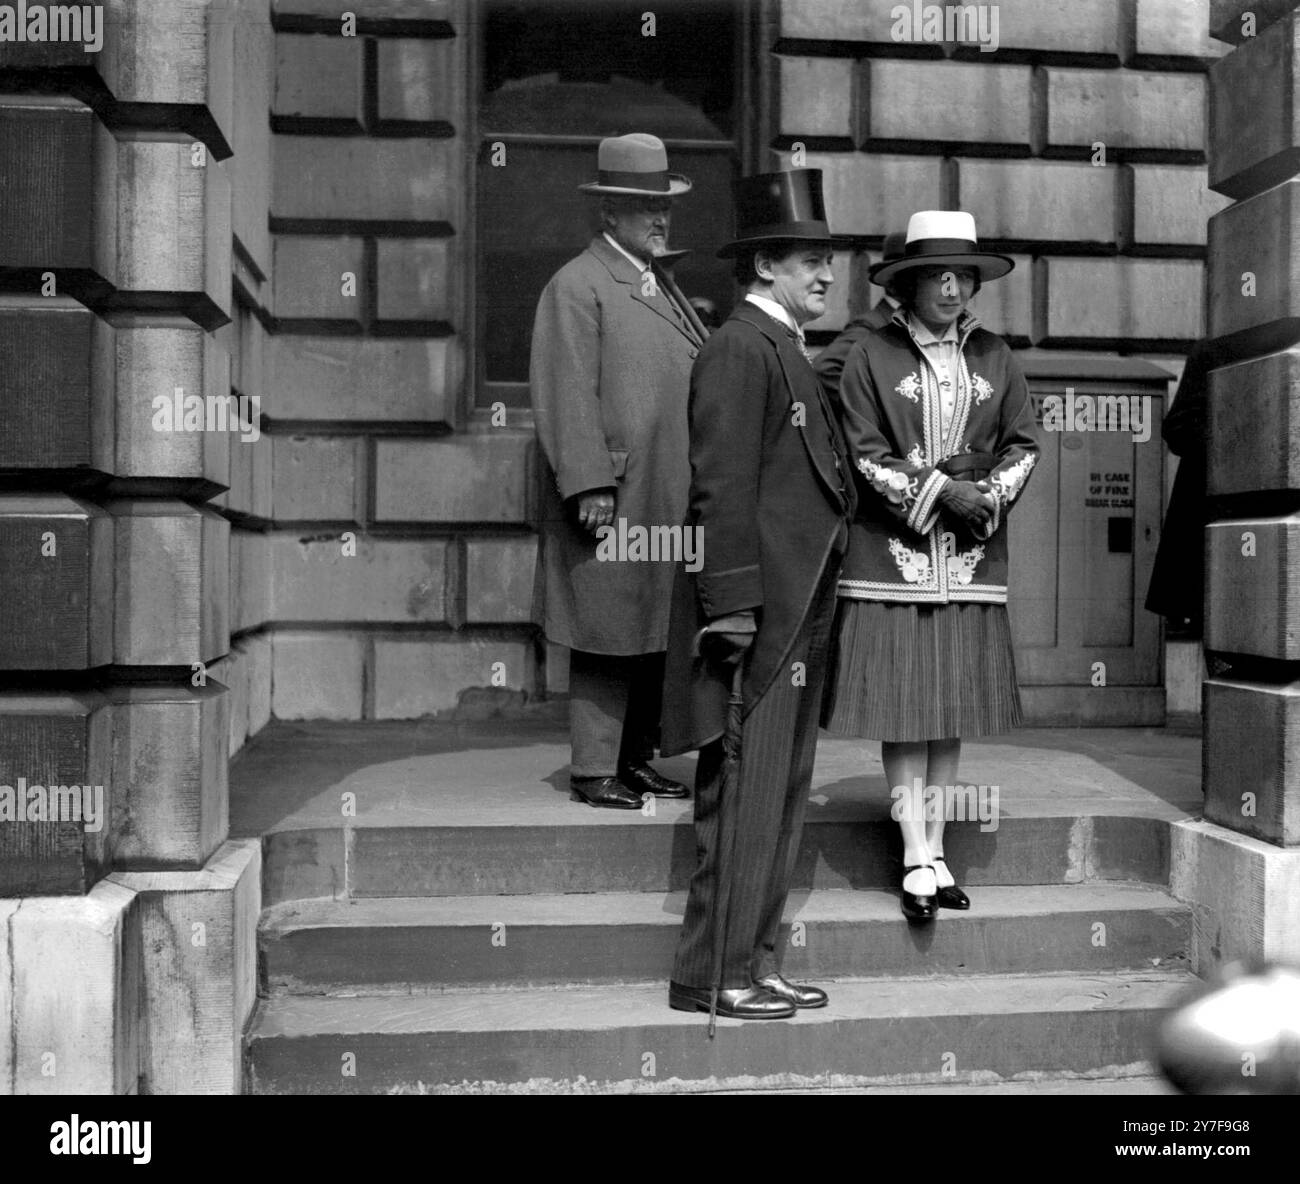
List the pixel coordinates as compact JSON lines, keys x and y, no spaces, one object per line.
{"x":625,"y":273}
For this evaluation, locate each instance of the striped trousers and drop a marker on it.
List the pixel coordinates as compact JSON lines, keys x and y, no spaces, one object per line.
{"x":776,"y":765}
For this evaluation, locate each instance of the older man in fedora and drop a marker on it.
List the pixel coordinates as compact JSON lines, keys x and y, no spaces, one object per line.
{"x":772,"y":492}
{"x":613,"y":345}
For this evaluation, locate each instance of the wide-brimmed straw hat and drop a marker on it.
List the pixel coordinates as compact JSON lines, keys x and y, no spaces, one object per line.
{"x":937,"y":238}
{"x":635,"y":164}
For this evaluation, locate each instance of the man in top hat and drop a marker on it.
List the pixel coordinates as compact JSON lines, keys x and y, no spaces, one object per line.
{"x":830,"y":362}
{"x":771,"y":491}
{"x":613,"y":344}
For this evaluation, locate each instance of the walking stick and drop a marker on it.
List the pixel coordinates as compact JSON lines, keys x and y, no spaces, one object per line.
{"x":728,"y":804}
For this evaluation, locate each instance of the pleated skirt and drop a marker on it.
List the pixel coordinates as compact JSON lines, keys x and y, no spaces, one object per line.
{"x":920,"y":672}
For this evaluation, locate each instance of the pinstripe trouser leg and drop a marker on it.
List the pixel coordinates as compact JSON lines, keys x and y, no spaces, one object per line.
{"x":778,"y":747}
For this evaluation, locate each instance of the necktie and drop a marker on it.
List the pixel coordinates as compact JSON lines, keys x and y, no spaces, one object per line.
{"x":797,"y":338}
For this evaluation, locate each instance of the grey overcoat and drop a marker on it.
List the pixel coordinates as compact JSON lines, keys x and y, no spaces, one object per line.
{"x":609,"y":379}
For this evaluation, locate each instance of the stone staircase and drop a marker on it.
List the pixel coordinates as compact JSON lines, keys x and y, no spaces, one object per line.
{"x":466,"y":952}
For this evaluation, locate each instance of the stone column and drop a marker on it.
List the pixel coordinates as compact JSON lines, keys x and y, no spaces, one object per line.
{"x":1241,"y":865}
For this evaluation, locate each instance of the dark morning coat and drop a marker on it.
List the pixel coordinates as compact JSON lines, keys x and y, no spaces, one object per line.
{"x":608,"y":378}
{"x":767,"y":494}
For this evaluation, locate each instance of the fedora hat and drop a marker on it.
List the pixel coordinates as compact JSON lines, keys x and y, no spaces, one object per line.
{"x":770,"y":206}
{"x":635,"y":164}
{"x":936,"y":238}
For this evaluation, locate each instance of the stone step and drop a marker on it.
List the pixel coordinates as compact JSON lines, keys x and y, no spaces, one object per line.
{"x":586,"y":850}
{"x":974,"y":1030}
{"x":425,"y":943}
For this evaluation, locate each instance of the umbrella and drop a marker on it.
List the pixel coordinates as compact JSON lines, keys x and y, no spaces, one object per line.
{"x":728,"y":804}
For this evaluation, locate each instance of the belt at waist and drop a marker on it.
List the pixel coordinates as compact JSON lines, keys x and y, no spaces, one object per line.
{"x":974,"y":465}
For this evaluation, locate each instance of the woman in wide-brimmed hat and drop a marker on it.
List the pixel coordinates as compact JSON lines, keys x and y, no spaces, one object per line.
{"x":942,"y":431}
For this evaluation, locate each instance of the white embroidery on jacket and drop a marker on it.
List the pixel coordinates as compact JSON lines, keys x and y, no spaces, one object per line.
{"x":1008,"y":483}
{"x":896,"y":487}
{"x":983,"y":388}
{"x":914,"y":566}
{"x":915,"y":458}
{"x":910,"y":387}
{"x":961,"y":564}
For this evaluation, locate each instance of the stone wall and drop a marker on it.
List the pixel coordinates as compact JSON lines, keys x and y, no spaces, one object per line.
{"x":133,"y":254}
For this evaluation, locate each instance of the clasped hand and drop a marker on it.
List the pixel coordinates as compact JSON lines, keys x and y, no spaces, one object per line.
{"x":595,"y":509}
{"x":970,"y":501}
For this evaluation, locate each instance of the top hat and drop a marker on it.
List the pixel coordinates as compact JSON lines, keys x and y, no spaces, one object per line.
{"x":778,"y":206}
{"x":635,"y":164}
{"x":938,"y":238}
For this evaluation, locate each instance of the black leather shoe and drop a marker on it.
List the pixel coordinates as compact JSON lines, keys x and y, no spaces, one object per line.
{"x":740,"y":1003}
{"x":646,"y":780}
{"x":605,"y":791}
{"x":918,"y":908}
{"x":796,"y":993}
{"x":951,"y":897}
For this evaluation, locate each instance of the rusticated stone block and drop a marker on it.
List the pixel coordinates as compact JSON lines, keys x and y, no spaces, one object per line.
{"x":1254,"y":425}
{"x":199,"y":941}
{"x":373,"y":179}
{"x":318,"y":675}
{"x":60,"y":174}
{"x":1254,"y":275}
{"x":1175,"y":29}
{"x":359,"y":579}
{"x":250,"y":580}
{"x":56,"y":583}
{"x":1237,"y":21}
{"x":170,"y":755}
{"x":1253,"y":587}
{"x":1116,"y":299}
{"x":933,"y":101}
{"x":1252,"y":759}
{"x":250,"y":168}
{"x":55,"y":386}
{"x":1254,"y":129}
{"x":1039,"y":199}
{"x":174,"y":226}
{"x":417,"y":279}
{"x":232,"y":673}
{"x":499,"y":580}
{"x":836,"y":20}
{"x":176,"y":415}
{"x":319,"y":76}
{"x":260,"y":657}
{"x":418,"y":79}
{"x":70,"y":993}
{"x":179,"y":52}
{"x":319,"y":478}
{"x":57,"y":810}
{"x":355,"y":379}
{"x":1124,"y":109}
{"x":419,"y":676}
{"x":312,"y":277}
{"x":816,"y":97}
{"x":173,"y":583}
{"x":484,"y":477}
{"x":874,"y":194}
{"x":1007,"y":307}
{"x":1244,"y":895}
{"x":1170,"y":205}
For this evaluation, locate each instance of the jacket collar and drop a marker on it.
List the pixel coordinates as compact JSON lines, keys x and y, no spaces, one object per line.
{"x":618,"y":264}
{"x":967,"y":322}
{"x":624,"y":271}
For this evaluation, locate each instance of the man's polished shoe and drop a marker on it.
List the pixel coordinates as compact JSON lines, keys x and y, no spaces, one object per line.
{"x":739,"y":1003}
{"x":796,"y":993}
{"x":919,"y":908}
{"x":951,"y":897}
{"x":644,"y":779}
{"x":605,"y":791}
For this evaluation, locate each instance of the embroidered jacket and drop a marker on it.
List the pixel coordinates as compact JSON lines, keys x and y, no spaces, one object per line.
{"x":901,"y":547}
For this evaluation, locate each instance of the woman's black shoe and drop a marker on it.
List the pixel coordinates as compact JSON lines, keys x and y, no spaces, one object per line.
{"x":951,"y":897}
{"x":919,"y":908}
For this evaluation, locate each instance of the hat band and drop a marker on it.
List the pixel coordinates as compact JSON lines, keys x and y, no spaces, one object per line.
{"x":940,"y":246}
{"x":658,"y":181}
{"x":809,"y":229}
